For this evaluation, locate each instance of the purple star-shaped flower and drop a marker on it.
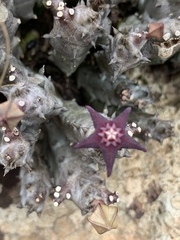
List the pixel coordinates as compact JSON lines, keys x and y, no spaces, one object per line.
{"x":109,"y":136}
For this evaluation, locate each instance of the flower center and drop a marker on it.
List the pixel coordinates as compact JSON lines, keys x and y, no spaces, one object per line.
{"x":111,"y":135}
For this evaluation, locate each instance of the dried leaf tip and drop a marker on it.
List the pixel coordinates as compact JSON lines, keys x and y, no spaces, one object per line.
{"x":104,"y":218}
{"x":10,"y":114}
{"x":156,"y":30}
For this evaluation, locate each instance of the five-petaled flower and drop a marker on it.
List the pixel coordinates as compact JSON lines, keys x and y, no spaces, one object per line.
{"x":110,"y":136}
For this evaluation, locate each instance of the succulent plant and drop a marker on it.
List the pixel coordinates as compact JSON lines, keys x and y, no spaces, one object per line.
{"x":24,"y":9}
{"x":74,"y":32}
{"x":122,"y":53}
{"x":64,"y":144}
{"x":17,"y":148}
{"x":75,"y":174}
{"x":35,"y":184}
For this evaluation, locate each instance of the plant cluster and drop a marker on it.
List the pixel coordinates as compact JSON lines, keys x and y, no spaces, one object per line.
{"x":78,"y":56}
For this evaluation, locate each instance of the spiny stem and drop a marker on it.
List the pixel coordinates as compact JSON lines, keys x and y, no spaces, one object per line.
{"x":8,"y":48}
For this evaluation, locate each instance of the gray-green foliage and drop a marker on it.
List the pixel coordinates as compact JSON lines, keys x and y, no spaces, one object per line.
{"x":49,"y":159}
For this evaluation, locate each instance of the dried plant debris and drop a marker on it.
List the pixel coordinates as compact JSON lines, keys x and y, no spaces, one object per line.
{"x":10,"y":114}
{"x":104,"y":218}
{"x":169,"y":44}
{"x":68,"y":148}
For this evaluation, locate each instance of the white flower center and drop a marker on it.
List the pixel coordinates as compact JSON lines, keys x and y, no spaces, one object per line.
{"x":111,"y":135}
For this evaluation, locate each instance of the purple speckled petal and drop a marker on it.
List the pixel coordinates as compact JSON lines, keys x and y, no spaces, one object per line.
{"x":97,"y":118}
{"x":110,"y":136}
{"x":121,"y":119}
{"x":109,"y":157}
{"x":129,"y":142}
